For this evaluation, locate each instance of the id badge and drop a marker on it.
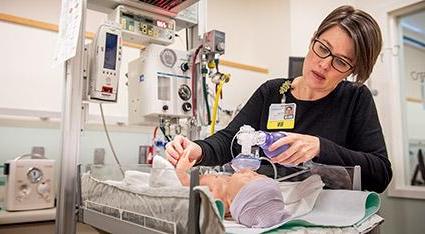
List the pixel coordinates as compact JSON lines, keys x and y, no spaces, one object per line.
{"x":281,"y":116}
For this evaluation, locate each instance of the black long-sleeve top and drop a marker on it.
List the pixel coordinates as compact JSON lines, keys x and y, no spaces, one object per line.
{"x":345,"y":121}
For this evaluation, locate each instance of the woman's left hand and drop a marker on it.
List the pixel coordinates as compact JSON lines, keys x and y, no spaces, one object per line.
{"x":301,"y":148}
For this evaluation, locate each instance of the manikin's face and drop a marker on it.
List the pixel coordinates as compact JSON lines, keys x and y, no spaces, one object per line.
{"x":216,"y":184}
{"x":240,"y":179}
{"x":225,"y":187}
{"x":318,"y":73}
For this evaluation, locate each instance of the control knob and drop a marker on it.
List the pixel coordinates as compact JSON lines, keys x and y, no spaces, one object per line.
{"x":220,"y":46}
{"x":186,"y":106}
{"x":184,"y":67}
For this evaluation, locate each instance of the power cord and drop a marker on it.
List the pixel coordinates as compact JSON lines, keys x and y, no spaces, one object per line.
{"x":109,"y":140}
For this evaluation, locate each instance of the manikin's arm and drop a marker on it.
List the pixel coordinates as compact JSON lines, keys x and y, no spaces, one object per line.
{"x":182,"y":168}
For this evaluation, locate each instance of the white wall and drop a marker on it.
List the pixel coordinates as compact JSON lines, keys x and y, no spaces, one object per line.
{"x":29,"y":82}
{"x":43,"y":10}
{"x":305,"y":17}
{"x":256,"y":35}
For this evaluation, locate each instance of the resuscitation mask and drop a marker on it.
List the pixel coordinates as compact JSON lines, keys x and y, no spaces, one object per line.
{"x":248,"y":137}
{"x":334,"y":177}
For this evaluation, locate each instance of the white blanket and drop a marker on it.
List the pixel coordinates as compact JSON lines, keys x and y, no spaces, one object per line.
{"x":158,"y":194}
{"x":338,"y":208}
{"x":162,"y":174}
{"x":333,"y":208}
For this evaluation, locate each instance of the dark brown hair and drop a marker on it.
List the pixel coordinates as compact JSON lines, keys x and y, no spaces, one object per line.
{"x":365,"y":33}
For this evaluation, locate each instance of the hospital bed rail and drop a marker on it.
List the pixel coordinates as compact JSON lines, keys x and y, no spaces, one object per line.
{"x":114,"y":220}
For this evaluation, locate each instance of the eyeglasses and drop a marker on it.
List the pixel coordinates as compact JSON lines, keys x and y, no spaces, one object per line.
{"x":323,"y":51}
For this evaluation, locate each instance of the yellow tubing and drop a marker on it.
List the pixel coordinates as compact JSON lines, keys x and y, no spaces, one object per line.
{"x":215,"y":106}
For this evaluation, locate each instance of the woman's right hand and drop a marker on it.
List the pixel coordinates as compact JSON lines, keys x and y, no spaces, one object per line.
{"x":175,"y":149}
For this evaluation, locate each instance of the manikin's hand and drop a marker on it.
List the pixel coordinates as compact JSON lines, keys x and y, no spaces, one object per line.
{"x":182,"y":169}
{"x":301,"y":148}
{"x":184,"y":164}
{"x":180,"y":146}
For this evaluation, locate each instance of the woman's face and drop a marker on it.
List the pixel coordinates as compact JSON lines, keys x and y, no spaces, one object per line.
{"x":318,"y":73}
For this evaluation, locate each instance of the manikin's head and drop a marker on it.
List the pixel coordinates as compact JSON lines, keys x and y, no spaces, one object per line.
{"x":258,"y":202}
{"x":252,"y":199}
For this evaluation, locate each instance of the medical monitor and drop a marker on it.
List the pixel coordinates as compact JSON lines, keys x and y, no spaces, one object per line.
{"x":111,"y":46}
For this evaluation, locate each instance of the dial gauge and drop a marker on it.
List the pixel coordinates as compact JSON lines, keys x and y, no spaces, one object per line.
{"x":168,"y":57}
{"x":184,"y":92}
{"x":34,"y":175}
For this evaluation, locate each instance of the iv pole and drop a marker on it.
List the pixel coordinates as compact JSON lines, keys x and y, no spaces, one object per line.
{"x":66,"y":218}
{"x":71,"y":127}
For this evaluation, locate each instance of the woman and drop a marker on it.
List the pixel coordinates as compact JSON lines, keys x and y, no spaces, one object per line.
{"x":335,"y":121}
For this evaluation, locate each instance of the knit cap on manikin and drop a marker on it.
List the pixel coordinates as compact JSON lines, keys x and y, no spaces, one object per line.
{"x":259,"y":204}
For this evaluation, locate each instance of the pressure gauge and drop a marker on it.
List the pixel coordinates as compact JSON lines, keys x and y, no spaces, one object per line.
{"x":168,"y":57}
{"x":184,"y":92}
{"x":34,"y":175}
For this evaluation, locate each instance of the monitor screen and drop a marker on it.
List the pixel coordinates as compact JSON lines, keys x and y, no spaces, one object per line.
{"x":295,"y":67}
{"x":111,"y":45}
